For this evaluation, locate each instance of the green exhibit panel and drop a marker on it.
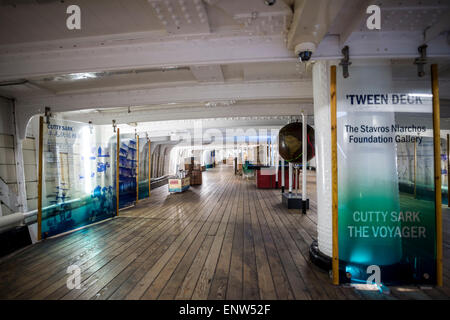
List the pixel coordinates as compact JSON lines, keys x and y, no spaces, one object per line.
{"x":77,"y":176}
{"x":144,"y":187}
{"x":386,"y":192}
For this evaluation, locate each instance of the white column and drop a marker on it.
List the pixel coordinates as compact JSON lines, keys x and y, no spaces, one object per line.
{"x":304,"y":157}
{"x":322,"y":126}
{"x":291,"y":177}
{"x":282,"y":175}
{"x":276,"y":163}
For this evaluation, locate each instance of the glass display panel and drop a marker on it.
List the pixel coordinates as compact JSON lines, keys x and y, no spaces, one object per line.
{"x":127,"y":171}
{"x":385,"y":173}
{"x":78,"y":178}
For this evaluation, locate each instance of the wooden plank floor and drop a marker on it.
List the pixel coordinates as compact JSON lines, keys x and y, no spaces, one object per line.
{"x":222,"y":240}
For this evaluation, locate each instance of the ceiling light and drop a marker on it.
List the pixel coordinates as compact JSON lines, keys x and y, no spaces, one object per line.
{"x":73,"y":76}
{"x":92,"y":75}
{"x":169,"y":68}
{"x":220,"y":103}
{"x":82,"y":75}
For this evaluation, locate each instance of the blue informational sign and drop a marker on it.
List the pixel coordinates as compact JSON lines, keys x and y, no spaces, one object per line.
{"x":127,"y":172}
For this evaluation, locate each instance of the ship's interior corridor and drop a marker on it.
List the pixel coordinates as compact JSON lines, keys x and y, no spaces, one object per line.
{"x":224,"y":239}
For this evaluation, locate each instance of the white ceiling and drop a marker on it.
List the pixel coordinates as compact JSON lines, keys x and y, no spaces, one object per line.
{"x":29,"y":21}
{"x":194,"y":59}
{"x":161,"y":77}
{"x":24,"y":21}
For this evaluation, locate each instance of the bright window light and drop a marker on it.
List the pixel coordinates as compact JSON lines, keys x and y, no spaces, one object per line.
{"x":86,"y":156}
{"x":422,"y":95}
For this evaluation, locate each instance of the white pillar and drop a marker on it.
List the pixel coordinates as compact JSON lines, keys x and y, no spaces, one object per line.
{"x":291,"y":177}
{"x":276,"y":162}
{"x":20,"y":168}
{"x":322,"y":126}
{"x":304,"y":157}
{"x":282,"y":175}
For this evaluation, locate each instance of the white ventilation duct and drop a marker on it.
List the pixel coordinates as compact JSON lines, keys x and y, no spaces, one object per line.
{"x":310,"y":24}
{"x":10,"y":221}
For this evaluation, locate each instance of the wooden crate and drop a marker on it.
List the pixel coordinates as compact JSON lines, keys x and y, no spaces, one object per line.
{"x":196,"y":177}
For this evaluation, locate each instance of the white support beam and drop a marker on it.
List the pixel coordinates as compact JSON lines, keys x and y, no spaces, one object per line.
{"x":353,"y":16}
{"x":263,"y":110}
{"x":304,"y":158}
{"x":20,"y":167}
{"x":31,"y":62}
{"x":277,"y":90}
{"x":390,"y":44}
{"x":212,"y":73}
{"x":256,"y":17}
{"x":440,"y":27}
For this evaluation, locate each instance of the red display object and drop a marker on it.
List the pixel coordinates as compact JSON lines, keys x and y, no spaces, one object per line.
{"x":265,"y":178}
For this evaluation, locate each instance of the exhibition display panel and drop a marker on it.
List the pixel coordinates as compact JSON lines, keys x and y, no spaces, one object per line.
{"x":127,"y":171}
{"x":79,"y":175}
{"x":385,"y":173}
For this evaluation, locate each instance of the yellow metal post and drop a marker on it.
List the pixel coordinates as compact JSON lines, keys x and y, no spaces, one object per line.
{"x":117,"y":171}
{"x":40,"y":166}
{"x":437,"y":170}
{"x":149,"y":168}
{"x":448,"y":168}
{"x":334,"y":175}
{"x":137,"y":169}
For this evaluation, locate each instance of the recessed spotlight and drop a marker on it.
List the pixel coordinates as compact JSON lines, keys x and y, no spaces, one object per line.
{"x":269,"y":2}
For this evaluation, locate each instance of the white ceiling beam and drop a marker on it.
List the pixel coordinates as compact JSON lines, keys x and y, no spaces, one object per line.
{"x":180,"y":51}
{"x":389,"y":44}
{"x":276,"y":90}
{"x":247,"y":110}
{"x":289,"y":89}
{"x":211,"y":73}
{"x":351,"y":18}
{"x":257,"y":17}
{"x":441,"y":26}
{"x":165,"y":128}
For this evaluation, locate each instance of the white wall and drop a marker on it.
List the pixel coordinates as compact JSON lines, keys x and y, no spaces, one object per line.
{"x":7,"y":154}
